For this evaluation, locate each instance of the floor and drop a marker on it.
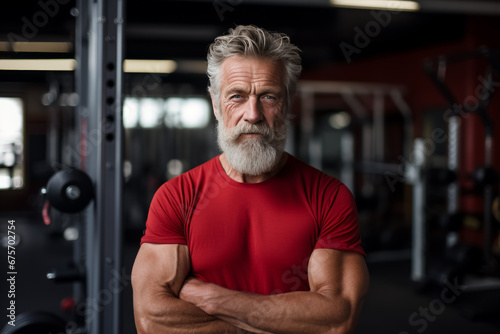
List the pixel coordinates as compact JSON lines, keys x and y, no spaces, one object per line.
{"x":394,"y":303}
{"x":397,"y":305}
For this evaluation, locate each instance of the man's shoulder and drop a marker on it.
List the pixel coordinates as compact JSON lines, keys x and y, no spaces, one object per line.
{"x":193,"y":176}
{"x":207,"y":167}
{"x":315,"y":181}
{"x":302,"y":168}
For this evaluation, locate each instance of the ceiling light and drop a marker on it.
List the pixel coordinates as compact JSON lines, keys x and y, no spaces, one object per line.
{"x":149,"y":66}
{"x":129,"y":65}
{"x":392,"y":5}
{"x":53,"y":47}
{"x":37,"y":64}
{"x":192,"y":66}
{"x":340,"y":120}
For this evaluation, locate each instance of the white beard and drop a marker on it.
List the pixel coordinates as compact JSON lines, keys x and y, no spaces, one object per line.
{"x":253,"y":156}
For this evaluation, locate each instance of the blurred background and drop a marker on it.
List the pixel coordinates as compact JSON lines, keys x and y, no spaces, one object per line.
{"x":397,"y":99}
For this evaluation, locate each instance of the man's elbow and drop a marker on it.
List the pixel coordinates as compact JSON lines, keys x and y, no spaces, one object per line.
{"x":346,"y":322}
{"x":141,"y":325}
{"x":346,"y":327}
{"x":142,"y":322}
{"x":142,"y":318}
{"x":146,"y":320}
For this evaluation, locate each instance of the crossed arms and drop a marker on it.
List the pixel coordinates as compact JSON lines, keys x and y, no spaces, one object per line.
{"x":166,"y":300}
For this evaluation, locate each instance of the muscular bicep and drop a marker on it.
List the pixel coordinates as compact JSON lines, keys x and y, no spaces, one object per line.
{"x":159,"y":269}
{"x":343,"y":278}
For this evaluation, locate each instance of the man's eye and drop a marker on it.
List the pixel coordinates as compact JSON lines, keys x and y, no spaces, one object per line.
{"x":236,"y":96}
{"x":269,"y":97}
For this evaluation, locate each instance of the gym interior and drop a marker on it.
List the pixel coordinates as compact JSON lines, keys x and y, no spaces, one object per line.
{"x":101,"y":102}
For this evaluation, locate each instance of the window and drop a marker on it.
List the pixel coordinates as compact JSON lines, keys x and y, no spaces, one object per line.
{"x":176,"y":112}
{"x":11,"y":143}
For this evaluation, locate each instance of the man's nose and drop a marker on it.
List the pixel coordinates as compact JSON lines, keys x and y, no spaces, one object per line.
{"x":253,"y":113}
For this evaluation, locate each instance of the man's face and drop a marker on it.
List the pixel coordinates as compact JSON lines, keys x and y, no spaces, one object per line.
{"x":251,"y":90}
{"x":251,"y":130}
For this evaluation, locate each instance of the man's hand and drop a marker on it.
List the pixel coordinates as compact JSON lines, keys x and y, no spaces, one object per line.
{"x":207,"y":297}
{"x":197,"y":292}
{"x":338,"y":283}
{"x":158,"y":274}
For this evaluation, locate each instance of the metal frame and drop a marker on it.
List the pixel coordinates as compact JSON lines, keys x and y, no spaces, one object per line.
{"x":99,"y":85}
{"x":414,"y":175}
{"x":436,"y":70}
{"x":81,"y":71}
{"x":372,"y":132}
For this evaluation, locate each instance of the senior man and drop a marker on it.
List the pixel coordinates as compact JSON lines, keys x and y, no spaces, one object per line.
{"x":253,"y":240}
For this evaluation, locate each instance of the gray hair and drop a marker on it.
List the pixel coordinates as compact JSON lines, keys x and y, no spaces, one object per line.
{"x":251,"y":41}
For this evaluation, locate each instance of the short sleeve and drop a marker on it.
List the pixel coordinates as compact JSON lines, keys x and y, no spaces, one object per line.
{"x":165,"y":223}
{"x":339,"y":226}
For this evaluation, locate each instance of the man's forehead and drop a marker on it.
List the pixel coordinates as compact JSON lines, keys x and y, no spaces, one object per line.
{"x":248,"y":61}
{"x":240,"y":68}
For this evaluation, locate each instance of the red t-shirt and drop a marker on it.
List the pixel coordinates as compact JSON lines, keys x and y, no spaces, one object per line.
{"x":254,"y":237}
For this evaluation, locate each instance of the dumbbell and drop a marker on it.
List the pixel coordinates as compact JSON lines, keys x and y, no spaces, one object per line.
{"x":69,"y":190}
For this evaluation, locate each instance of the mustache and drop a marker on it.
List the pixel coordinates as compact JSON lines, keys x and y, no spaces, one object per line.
{"x":268,"y":134}
{"x":246,"y":128}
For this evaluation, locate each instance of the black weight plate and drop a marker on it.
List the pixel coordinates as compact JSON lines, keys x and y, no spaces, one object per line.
{"x":36,"y":323}
{"x":60,"y":181}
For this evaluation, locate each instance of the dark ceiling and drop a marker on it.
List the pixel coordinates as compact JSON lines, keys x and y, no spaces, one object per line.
{"x":183,"y":29}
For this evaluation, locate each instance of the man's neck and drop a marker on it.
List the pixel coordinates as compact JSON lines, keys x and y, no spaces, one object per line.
{"x":245,"y":178}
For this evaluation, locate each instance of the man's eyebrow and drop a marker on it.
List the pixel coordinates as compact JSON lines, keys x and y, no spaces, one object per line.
{"x":262,"y":91}
{"x":271,"y":90}
{"x":235,"y":89}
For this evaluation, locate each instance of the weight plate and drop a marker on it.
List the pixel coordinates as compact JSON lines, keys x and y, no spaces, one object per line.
{"x":69,"y":190}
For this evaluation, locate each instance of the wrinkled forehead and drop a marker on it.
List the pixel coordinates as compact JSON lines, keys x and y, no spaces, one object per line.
{"x":241,"y":69}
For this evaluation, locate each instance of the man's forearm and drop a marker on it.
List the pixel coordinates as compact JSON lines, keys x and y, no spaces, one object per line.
{"x":172,"y":315}
{"x":294,"y":312}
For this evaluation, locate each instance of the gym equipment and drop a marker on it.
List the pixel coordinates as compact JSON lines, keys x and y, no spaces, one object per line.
{"x":484,"y":176}
{"x":96,"y":148}
{"x":36,"y":323}
{"x":66,"y":274}
{"x":99,"y":39}
{"x":69,"y":190}
{"x":415,"y":177}
{"x":352,"y":95}
{"x":473,"y":266}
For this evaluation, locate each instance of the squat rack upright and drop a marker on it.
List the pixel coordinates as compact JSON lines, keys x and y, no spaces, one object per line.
{"x":99,"y":54}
